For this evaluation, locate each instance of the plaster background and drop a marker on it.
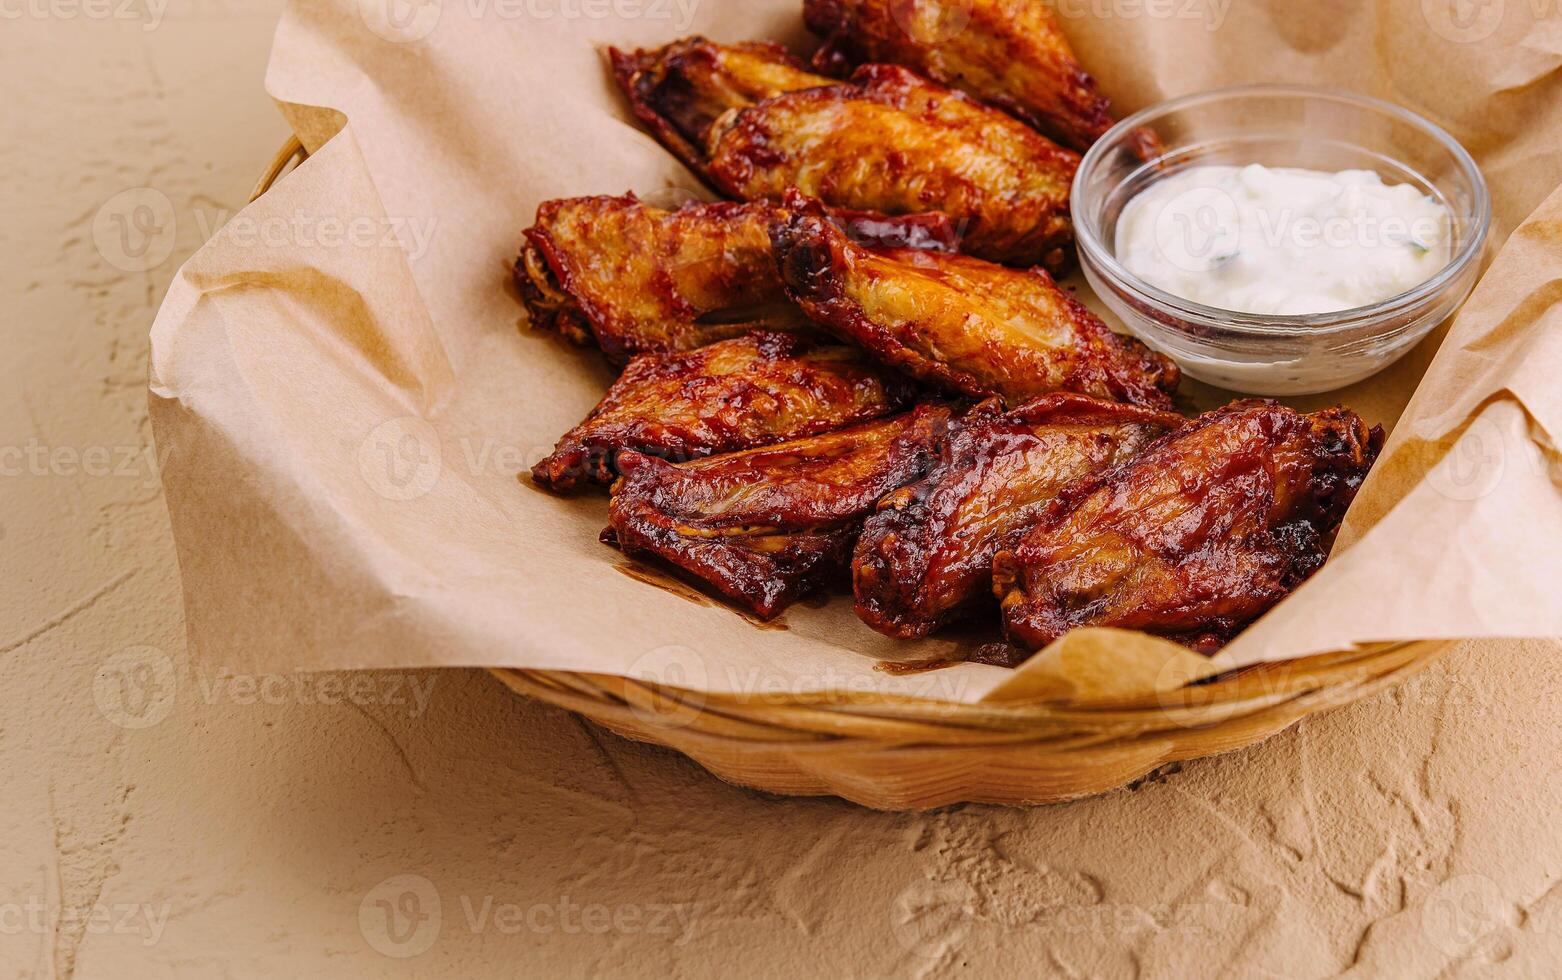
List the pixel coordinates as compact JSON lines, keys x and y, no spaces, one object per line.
{"x":164,"y":819}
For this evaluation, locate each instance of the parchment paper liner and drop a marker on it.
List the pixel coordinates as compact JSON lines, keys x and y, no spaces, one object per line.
{"x":344,"y":395}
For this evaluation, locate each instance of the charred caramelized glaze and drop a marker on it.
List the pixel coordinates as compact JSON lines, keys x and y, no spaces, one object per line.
{"x":891,"y":141}
{"x":925,"y":557}
{"x":680,"y":90}
{"x":886,"y":141}
{"x":767,"y":526}
{"x":734,"y":394}
{"x":1197,"y":536}
{"x":968,"y":325}
{"x":637,"y":279}
{"x":1009,"y":53}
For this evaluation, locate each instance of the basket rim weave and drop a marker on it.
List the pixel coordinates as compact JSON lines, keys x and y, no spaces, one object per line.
{"x":882,"y":721}
{"x":1010,"y":751}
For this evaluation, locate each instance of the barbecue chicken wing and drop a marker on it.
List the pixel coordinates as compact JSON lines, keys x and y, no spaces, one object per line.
{"x":1008,"y":53}
{"x":1195,"y":537}
{"x":893,"y":142}
{"x":925,"y":557}
{"x":735,"y":394}
{"x":978,"y":328}
{"x":680,"y":90}
{"x":638,"y":279}
{"x":887,"y":141}
{"x":768,"y":526}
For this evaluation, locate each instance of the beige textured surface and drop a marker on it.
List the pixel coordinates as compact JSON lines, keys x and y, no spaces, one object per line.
{"x":254,"y":826}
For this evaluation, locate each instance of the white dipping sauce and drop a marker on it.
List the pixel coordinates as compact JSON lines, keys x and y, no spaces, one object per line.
{"x":1282,"y":241}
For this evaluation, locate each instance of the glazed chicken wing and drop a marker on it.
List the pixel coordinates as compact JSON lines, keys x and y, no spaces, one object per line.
{"x":637,"y":279}
{"x":749,"y":391}
{"x":768,"y":526}
{"x":894,"y":142}
{"x":887,"y":141}
{"x":978,"y":328}
{"x":925,"y":557}
{"x":1195,"y":537}
{"x":1009,"y":53}
{"x":679,"y":91}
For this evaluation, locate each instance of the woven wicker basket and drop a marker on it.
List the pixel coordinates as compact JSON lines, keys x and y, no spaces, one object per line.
{"x":898,"y":753}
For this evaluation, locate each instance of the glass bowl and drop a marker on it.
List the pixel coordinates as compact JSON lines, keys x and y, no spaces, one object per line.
{"x":1279,"y":126}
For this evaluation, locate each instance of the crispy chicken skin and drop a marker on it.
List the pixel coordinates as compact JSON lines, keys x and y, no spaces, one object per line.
{"x":925,"y":557}
{"x":637,"y":279}
{"x":752,"y":122}
{"x":1197,"y":536}
{"x":768,"y":526}
{"x":1009,"y":53}
{"x":680,"y":90}
{"x":891,"y":141}
{"x":972,"y":326}
{"x":735,"y":394}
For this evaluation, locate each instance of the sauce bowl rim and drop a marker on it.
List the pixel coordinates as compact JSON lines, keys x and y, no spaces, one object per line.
{"x":1094,"y":251}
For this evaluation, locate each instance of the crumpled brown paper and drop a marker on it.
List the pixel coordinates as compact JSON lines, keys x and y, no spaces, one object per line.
{"x":345,"y":397}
